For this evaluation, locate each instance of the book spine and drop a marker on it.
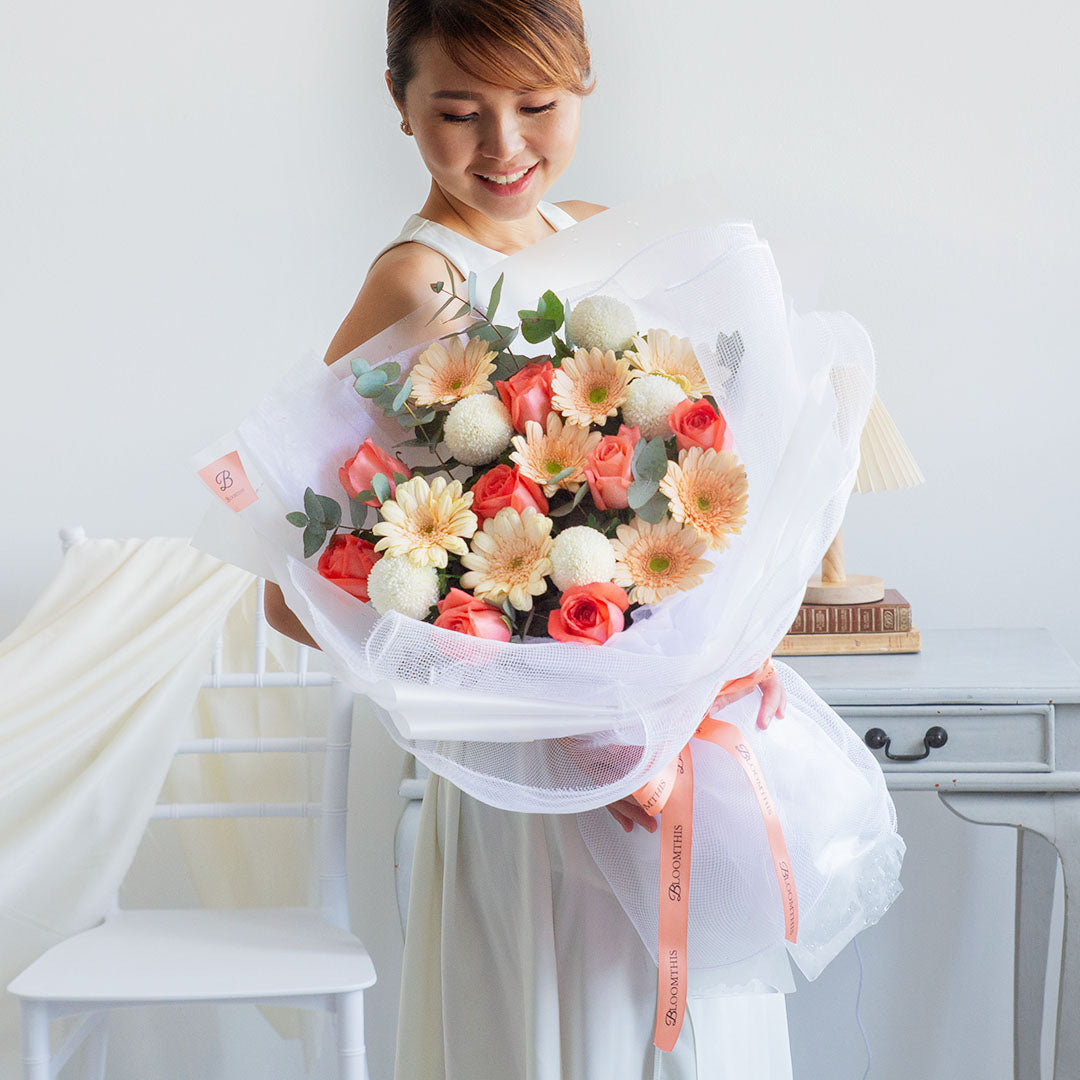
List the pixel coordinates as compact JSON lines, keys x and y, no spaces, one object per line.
{"x":852,"y":619}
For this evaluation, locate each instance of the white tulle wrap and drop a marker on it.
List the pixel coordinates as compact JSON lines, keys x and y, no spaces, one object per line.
{"x":552,"y":727}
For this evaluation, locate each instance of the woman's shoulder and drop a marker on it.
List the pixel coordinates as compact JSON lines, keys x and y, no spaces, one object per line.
{"x":398,"y":283}
{"x":580,"y":210}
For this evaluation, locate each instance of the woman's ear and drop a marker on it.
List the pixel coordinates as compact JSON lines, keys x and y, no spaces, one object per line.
{"x":389,"y":84}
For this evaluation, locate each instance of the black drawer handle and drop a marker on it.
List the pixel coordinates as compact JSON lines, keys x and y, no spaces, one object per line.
{"x":934,"y":739}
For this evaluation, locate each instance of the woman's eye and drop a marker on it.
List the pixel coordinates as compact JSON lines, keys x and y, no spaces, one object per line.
{"x":532,"y":110}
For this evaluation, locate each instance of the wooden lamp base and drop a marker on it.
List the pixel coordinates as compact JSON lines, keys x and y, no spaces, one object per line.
{"x":852,"y":589}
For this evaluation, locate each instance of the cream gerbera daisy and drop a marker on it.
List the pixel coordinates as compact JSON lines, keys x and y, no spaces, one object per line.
{"x":670,"y":356}
{"x":442,"y":376}
{"x":510,"y":558}
{"x":658,"y":560}
{"x":541,"y":455}
{"x":426,"y":521}
{"x":707,"y":489}
{"x":590,"y":386}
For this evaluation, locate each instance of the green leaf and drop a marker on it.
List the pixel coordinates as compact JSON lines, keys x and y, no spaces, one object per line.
{"x":535,"y":331}
{"x":381,"y":486}
{"x":506,"y":336}
{"x":508,"y":610}
{"x":371,"y":383}
{"x":562,"y":474}
{"x":400,"y":478}
{"x":437,"y":286}
{"x":312,"y":506}
{"x":385,"y":400}
{"x":463,"y":311}
{"x":357,"y":513}
{"x":331,"y":511}
{"x":655,"y":509}
{"x":417,"y":421}
{"x":566,"y":508}
{"x":562,"y":350}
{"x":496,"y":294}
{"x":525,"y":313}
{"x":297,"y":519}
{"x":314,"y":538}
{"x":651,"y":462}
{"x":640,"y":492}
{"x":484,"y":331}
{"x":359,"y":367}
{"x":392,"y":369}
{"x":552,"y":308}
{"x":364,"y":496}
{"x":472,"y":291}
{"x":449,"y":272}
{"x":403,"y":394}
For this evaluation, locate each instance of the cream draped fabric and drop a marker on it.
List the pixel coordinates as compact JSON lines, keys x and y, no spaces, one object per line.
{"x":96,"y":685}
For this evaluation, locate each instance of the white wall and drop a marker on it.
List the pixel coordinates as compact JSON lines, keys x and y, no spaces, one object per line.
{"x":189,"y":198}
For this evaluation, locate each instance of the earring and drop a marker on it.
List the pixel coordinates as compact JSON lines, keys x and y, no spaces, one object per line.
{"x":405,"y":127}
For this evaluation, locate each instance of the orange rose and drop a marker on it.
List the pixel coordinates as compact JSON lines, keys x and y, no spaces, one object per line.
{"x":347,"y":562}
{"x":460,"y":611}
{"x":697,"y":423}
{"x":527,"y":394}
{"x":589,"y":613}
{"x":505,"y":486}
{"x":608,"y":469}
{"x":355,"y":475}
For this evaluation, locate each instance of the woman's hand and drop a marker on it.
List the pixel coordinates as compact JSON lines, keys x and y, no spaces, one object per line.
{"x":629,"y":812}
{"x":773,"y":696}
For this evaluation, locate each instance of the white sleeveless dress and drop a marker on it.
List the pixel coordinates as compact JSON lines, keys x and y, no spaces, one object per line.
{"x":519,"y":962}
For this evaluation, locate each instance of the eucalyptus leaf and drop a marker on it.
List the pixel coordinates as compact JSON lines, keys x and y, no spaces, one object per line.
{"x":297,"y":519}
{"x":463,"y":311}
{"x":381,"y":486}
{"x":472,"y":291}
{"x":364,"y":496}
{"x":400,"y":478}
{"x":508,"y":610}
{"x":652,"y":462}
{"x":371,"y":383}
{"x":312,"y":506}
{"x":358,"y":513}
{"x":437,"y":286}
{"x":640,"y":492}
{"x":449,"y":272}
{"x":314,"y":538}
{"x":385,"y":399}
{"x":655,"y":509}
{"x":535,"y":331}
{"x":359,"y":366}
{"x":392,"y":369}
{"x":562,"y":474}
{"x":331,"y":511}
{"x":562,"y":350}
{"x":402,"y":395}
{"x":553,"y":308}
{"x":484,"y":331}
{"x":417,"y":421}
{"x":496,"y":294}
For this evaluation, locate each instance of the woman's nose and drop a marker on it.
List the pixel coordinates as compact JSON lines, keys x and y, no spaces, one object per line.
{"x":502,"y":139}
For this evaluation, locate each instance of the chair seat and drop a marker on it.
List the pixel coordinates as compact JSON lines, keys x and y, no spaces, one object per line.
{"x":200,"y":955}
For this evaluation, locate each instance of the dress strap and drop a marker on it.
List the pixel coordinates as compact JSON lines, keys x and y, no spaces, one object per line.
{"x":463,"y":254}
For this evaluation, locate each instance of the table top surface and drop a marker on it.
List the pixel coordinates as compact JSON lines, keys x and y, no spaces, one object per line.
{"x":990,"y":666}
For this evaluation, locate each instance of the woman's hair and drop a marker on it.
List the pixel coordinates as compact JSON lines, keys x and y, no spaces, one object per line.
{"x":527,"y":44}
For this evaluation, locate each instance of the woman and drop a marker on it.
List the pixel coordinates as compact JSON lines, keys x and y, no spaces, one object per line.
{"x":519,"y":961}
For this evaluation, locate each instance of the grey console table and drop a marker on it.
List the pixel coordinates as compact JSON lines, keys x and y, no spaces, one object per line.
{"x":1008,"y":702}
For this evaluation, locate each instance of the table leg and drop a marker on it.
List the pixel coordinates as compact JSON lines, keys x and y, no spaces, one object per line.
{"x":1056,"y":817}
{"x":1036,"y":869}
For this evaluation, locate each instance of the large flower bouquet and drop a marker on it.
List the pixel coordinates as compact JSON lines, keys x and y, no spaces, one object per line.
{"x":583,"y":485}
{"x":541,"y":549}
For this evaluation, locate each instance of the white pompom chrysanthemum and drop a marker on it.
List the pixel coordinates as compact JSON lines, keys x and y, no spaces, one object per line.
{"x":580,"y":556}
{"x":478,"y":429}
{"x":649,"y":402}
{"x":396,"y":583}
{"x":600,"y":322}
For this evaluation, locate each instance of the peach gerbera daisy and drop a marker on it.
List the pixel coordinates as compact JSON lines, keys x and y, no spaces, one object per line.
{"x":541,"y":455}
{"x":426,"y":521}
{"x":510,"y":558}
{"x":707,"y":489}
{"x":590,"y":386}
{"x":670,"y":356}
{"x":658,"y":560}
{"x":442,"y":376}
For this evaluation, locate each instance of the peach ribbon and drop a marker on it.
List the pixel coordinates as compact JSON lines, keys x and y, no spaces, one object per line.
{"x":672,"y":791}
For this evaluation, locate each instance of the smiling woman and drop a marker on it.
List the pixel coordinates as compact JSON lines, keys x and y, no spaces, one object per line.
{"x":519,"y":959}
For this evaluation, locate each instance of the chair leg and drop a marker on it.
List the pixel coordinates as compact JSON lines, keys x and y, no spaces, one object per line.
{"x":352,"y":1054}
{"x":96,"y":1045}
{"x":35,"y":1040}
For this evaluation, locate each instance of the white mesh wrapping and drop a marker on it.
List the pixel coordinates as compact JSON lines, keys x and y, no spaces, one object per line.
{"x":554,"y":727}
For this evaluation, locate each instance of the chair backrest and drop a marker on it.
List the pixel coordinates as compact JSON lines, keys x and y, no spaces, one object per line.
{"x":332,"y":809}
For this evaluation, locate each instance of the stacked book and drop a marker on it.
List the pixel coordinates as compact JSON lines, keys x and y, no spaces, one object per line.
{"x":881,"y":627}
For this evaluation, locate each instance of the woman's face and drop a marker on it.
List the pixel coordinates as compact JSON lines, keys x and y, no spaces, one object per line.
{"x":494,"y":149}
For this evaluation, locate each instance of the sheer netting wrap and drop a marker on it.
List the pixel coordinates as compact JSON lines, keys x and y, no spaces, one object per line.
{"x":554,"y":727}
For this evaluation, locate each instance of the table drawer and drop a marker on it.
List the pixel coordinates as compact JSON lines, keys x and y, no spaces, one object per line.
{"x":981,"y":738}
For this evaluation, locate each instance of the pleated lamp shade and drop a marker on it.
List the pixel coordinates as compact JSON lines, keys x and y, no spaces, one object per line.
{"x":886,"y":464}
